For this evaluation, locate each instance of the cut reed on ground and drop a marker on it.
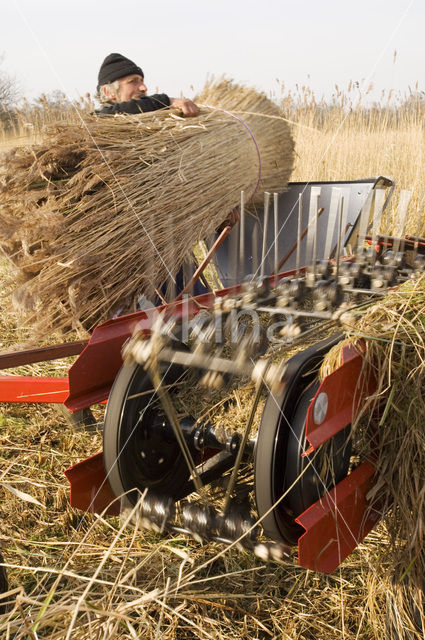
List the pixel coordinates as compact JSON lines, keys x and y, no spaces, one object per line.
{"x":108,"y":208}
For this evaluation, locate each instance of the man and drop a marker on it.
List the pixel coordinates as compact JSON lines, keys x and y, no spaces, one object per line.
{"x":121,"y":89}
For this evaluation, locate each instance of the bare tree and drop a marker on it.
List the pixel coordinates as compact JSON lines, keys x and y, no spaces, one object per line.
{"x":9,"y":93}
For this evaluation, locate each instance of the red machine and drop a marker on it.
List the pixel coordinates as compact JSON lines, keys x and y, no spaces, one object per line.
{"x":295,"y":479}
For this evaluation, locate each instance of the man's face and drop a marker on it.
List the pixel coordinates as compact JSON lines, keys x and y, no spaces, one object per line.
{"x":131,"y":87}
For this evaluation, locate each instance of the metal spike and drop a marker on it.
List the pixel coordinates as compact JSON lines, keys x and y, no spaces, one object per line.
{"x":233,"y":253}
{"x":379,"y":202}
{"x":299,"y":232}
{"x":340,"y":231}
{"x":276,"y":234}
{"x":265,"y":230}
{"x":312,"y":226}
{"x":242,"y":238}
{"x":364,"y":221}
{"x":378,"y":208}
{"x":255,"y":248}
{"x":332,"y":220}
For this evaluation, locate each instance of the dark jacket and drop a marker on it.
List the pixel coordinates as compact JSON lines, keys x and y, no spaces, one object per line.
{"x":141,"y":105}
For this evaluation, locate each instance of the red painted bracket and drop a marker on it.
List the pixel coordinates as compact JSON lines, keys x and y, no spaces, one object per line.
{"x":345,"y":389}
{"x":90,"y":490}
{"x":33,"y":389}
{"x":338,"y":522}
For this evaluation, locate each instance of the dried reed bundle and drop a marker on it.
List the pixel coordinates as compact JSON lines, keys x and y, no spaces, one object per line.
{"x":395,"y":354}
{"x":108,"y":207}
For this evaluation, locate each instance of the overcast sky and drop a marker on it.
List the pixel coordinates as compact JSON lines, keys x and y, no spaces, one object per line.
{"x":50,"y":45}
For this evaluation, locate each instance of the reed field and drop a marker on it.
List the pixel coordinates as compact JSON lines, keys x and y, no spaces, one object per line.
{"x":81,"y":576}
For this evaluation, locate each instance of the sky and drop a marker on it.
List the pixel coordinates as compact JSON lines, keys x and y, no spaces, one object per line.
{"x":59,"y":45}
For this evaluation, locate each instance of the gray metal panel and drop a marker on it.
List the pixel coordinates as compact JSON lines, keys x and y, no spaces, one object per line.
{"x":227,"y":258}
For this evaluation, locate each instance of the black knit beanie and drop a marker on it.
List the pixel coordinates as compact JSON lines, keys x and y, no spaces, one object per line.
{"x":116,"y":66}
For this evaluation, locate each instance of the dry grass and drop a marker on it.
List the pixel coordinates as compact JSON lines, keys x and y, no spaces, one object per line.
{"x":348,"y":141}
{"x":116,"y":582}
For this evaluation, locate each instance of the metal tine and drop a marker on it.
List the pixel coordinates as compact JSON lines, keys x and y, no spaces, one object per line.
{"x":312,"y":226}
{"x":276,"y":235}
{"x":233,"y":251}
{"x":364,"y":221}
{"x":299,"y":233}
{"x":339,"y":238}
{"x":379,"y":202}
{"x":378,"y":207}
{"x":345,"y":205}
{"x":265,"y":230}
{"x":255,"y":248}
{"x":332,"y":220}
{"x":242,"y":238}
{"x":403,"y":204}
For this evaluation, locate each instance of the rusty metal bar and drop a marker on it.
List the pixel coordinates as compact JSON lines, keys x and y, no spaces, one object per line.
{"x":11,"y":359}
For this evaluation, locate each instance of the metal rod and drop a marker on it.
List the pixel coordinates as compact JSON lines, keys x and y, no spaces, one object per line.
{"x":265,"y":229}
{"x":171,"y":414}
{"x":299,"y":235}
{"x":332,"y":223}
{"x":316,"y":220}
{"x":243,"y":444}
{"x":255,"y":248}
{"x":242,"y":237}
{"x":12,"y":359}
{"x":338,"y":245}
{"x":276,"y":234}
{"x":364,"y":221}
{"x":379,"y":202}
{"x":312,"y":226}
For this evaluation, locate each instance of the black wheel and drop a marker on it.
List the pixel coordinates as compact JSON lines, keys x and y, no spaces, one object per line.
{"x":318,"y":472}
{"x":139,"y":448}
{"x":280,"y":442}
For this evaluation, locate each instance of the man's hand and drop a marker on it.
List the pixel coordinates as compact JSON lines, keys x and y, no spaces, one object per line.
{"x":188,"y":107}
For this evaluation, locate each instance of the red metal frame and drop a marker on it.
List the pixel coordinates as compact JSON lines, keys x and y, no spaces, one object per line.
{"x":345,"y":388}
{"x":33,"y":389}
{"x":338,"y":522}
{"x":89,"y":487}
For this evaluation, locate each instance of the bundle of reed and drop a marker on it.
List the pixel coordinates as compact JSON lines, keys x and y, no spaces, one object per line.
{"x":394,"y":337}
{"x":107,"y":208}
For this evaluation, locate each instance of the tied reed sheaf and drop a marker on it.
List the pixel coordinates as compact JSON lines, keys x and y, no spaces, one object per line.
{"x":108,"y":208}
